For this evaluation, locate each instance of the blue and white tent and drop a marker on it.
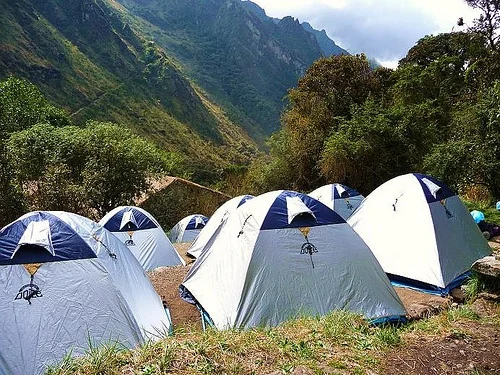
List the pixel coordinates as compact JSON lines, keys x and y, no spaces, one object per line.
{"x":143,"y":235}
{"x":340,"y":198}
{"x":284,"y":254}
{"x":218,"y":218}
{"x":188,"y":228}
{"x":65,"y":280}
{"x":421,"y":232}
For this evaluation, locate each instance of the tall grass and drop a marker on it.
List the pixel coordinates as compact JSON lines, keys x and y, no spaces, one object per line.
{"x":340,"y":342}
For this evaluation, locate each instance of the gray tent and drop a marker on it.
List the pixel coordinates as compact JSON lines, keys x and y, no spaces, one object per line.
{"x":284,"y":254}
{"x":421,"y":233}
{"x":65,"y":280}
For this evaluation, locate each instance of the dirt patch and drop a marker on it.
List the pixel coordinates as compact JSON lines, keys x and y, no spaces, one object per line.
{"x":182,"y":248}
{"x":470,"y":349}
{"x":166,"y":281}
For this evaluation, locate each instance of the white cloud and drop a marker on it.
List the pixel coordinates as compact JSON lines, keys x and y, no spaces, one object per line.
{"x":383,"y":29}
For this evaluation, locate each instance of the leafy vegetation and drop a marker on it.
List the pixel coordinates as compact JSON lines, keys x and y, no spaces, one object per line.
{"x":48,"y":164}
{"x":22,"y":105}
{"x":437,"y":113}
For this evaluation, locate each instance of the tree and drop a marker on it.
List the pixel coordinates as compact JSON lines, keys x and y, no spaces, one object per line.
{"x":488,"y":23}
{"x":435,"y":80}
{"x":274,"y":171}
{"x":367,"y":149}
{"x":441,"y":68}
{"x":85,"y":170}
{"x":321,"y":99}
{"x":472,"y":154}
{"x":118,"y":166}
{"x":22,"y":105}
{"x":12,"y":204}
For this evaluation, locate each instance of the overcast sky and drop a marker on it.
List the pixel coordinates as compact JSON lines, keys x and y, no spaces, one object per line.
{"x":382,"y":29}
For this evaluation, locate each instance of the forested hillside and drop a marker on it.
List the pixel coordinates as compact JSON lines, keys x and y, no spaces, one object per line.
{"x":87,"y":59}
{"x":244,"y":59}
{"x":438,"y":113}
{"x":205,"y":78}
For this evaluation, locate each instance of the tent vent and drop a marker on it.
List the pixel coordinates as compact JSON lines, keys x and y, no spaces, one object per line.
{"x":37,"y":234}
{"x":198,"y":222}
{"x":433,"y":188}
{"x":296,"y":208}
{"x":128,"y":221}
{"x":342,"y":192}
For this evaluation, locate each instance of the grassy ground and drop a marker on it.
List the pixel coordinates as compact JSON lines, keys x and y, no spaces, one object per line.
{"x":340,"y":343}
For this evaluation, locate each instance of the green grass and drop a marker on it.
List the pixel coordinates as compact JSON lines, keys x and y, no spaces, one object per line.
{"x":340,"y":342}
{"x":444,"y":322}
{"x":478,"y":283}
{"x":486,"y":206}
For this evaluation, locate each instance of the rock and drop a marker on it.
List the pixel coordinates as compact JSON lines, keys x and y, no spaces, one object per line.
{"x":432,"y":306}
{"x":489,"y":266}
{"x":421,"y":305}
{"x":458,"y":295}
{"x":483,"y":308}
{"x":494,"y":244}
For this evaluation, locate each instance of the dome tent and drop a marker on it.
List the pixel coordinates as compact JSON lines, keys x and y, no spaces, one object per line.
{"x":216,"y":220}
{"x":421,"y":233}
{"x":340,"y":198}
{"x":143,"y":235}
{"x":284,"y":254}
{"x":188,"y":228}
{"x":65,"y":281}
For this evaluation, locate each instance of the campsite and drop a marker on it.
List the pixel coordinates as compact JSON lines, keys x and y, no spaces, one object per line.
{"x":249,"y":187}
{"x":373,"y":323}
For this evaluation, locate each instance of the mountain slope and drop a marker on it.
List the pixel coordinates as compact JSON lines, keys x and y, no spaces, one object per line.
{"x":86,"y":59}
{"x":326,"y":45}
{"x":245,"y":62}
{"x":78,"y":51}
{"x":205,"y":78}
